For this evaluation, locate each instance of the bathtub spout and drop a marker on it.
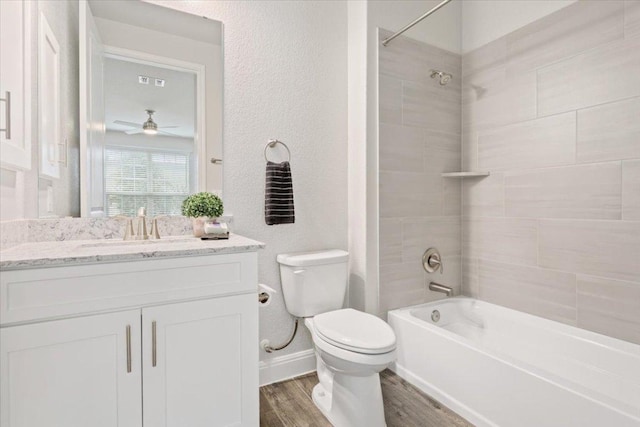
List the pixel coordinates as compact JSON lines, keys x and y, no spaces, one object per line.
{"x":437,"y":287}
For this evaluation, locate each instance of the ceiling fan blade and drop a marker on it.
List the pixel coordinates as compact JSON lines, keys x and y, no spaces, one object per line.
{"x":168,"y":127}
{"x":169,"y":133}
{"x":133,"y":131}
{"x":120,"y":122}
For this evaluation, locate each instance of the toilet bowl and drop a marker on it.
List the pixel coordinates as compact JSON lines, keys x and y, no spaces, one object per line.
{"x":351,"y":347}
{"x":349,"y":392}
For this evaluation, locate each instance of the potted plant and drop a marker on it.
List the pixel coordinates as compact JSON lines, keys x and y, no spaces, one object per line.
{"x":202,"y":207}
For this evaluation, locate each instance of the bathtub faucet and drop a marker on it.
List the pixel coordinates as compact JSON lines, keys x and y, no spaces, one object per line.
{"x":437,"y":287}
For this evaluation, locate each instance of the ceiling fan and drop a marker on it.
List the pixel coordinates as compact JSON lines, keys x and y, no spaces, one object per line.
{"x":149,"y":127}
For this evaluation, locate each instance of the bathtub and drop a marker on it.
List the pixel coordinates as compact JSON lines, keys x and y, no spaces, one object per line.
{"x":501,"y":367}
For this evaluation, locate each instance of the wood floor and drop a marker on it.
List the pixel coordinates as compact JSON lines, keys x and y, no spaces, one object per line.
{"x":289,"y":404}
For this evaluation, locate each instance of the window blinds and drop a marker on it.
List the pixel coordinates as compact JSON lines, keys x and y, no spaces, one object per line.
{"x":158,"y":180}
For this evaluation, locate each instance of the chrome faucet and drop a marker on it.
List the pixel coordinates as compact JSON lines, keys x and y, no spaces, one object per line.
{"x":437,"y":287}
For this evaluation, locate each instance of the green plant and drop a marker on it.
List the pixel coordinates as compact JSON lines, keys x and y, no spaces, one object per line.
{"x":202,"y":204}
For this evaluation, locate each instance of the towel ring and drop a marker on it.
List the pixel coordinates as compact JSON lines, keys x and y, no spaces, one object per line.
{"x":272,"y":143}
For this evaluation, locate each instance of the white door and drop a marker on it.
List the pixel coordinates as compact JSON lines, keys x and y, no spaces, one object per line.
{"x":92,"y":126}
{"x":72,"y":373}
{"x":15,"y":84}
{"x":200,"y":363}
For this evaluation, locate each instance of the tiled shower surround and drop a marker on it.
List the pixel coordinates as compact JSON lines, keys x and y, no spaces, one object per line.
{"x":419,"y":139}
{"x":552,"y":110}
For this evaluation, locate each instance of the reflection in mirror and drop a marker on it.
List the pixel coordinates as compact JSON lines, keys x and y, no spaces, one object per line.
{"x":150,"y":111}
{"x":149,"y":143}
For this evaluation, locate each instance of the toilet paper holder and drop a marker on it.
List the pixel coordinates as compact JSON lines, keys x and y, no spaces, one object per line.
{"x":265,"y":293}
{"x":263,"y":297}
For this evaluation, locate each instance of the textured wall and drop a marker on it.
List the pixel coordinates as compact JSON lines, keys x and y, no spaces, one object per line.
{"x":552,"y":110}
{"x":285,"y":77}
{"x":419,"y":139}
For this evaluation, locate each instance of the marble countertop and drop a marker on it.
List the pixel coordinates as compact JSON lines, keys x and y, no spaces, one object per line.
{"x":76,"y":252}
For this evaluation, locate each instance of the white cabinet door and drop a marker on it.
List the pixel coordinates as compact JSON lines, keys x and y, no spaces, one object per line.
{"x":200,"y":363}
{"x":72,"y":373}
{"x":91,"y":117}
{"x":15,"y":84}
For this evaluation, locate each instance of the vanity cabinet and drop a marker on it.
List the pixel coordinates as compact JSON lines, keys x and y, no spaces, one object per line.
{"x":194,"y":359}
{"x":15,"y":84}
{"x":72,"y":372}
{"x":169,"y":342}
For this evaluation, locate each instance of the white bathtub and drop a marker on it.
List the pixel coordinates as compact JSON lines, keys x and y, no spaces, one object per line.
{"x":500,"y":367}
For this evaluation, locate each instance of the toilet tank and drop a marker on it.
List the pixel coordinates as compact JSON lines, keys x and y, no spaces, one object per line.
{"x":314,"y":282}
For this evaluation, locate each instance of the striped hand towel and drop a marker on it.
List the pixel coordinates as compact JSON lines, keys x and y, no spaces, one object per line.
{"x":278,"y":202}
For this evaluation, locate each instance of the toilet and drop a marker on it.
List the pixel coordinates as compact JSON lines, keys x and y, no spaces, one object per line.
{"x":351,"y":347}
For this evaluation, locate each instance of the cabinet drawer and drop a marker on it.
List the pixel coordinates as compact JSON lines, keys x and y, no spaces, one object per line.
{"x":37,"y":294}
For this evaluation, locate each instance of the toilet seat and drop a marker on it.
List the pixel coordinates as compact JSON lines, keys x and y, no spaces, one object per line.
{"x":355,"y":331}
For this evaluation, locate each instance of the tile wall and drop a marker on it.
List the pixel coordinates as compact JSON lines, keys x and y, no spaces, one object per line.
{"x":419,"y":138}
{"x":552,"y":110}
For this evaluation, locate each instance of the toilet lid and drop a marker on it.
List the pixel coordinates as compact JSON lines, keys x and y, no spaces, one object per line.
{"x":355,"y":331}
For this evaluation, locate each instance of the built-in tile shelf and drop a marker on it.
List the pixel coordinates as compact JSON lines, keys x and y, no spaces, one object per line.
{"x":464,"y":174}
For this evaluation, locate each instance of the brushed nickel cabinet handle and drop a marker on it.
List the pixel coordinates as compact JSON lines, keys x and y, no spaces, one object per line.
{"x":154,"y":354}
{"x":7,"y":115}
{"x":128,"y":348}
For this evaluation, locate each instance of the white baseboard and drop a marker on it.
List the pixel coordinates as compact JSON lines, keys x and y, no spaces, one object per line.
{"x":288,"y":366}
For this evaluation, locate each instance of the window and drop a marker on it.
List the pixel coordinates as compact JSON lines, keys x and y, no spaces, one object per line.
{"x":157,"y":180}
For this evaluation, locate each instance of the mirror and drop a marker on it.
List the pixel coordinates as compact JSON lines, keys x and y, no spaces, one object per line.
{"x":129,"y":106}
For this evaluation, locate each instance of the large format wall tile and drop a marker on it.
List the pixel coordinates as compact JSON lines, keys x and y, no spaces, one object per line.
{"x":631,"y":190}
{"x":404,"y":182}
{"x":604,"y":74}
{"x":390,"y":100}
{"x":410,"y":194}
{"x":410,"y":60}
{"x":420,"y":234}
{"x":546,"y":293}
{"x":631,"y":18}
{"x":491,"y":99}
{"x":569,"y":31}
{"x":484,"y":196}
{"x":491,"y":55}
{"x":470,"y":277}
{"x":451,"y":197}
{"x":609,"y":132}
{"x":554,"y":109}
{"x":431,"y":106}
{"x":588,"y":191}
{"x":610,"y":307}
{"x":422,"y":202}
{"x":549,"y":141}
{"x":441,"y":152}
{"x":505,"y":240}
{"x":470,"y":151}
{"x":390,"y":241}
{"x":603,"y":248}
{"x":401,"y":285}
{"x":401,"y":148}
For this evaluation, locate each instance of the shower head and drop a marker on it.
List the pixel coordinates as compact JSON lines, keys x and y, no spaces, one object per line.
{"x":444,"y":77}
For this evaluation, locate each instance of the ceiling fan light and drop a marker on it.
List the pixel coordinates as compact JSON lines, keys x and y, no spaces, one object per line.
{"x":150,"y":127}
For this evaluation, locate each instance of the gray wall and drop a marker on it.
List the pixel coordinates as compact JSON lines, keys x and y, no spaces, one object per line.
{"x":419,"y":138}
{"x":552,"y":110}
